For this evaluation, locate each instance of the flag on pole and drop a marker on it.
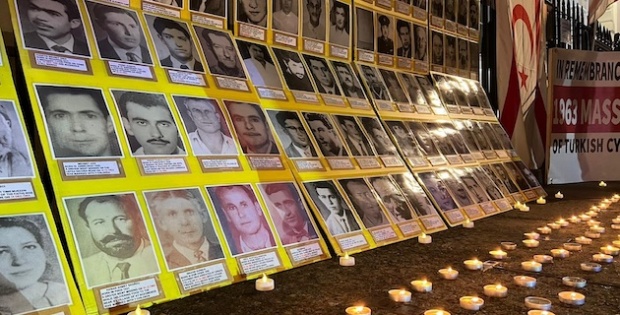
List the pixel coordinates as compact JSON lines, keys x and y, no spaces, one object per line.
{"x":597,"y":8}
{"x":521,"y":76}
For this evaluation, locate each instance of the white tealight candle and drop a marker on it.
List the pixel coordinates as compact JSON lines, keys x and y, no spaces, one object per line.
{"x":495,"y":290}
{"x":531,"y":266}
{"x":436,"y":312}
{"x":562,"y":222}
{"x":531,"y":235}
{"x":422,"y":285}
{"x":400,"y":295}
{"x":574,"y":282}
{"x":615,"y":220}
{"x":559,"y":195}
{"x":539,"y":312}
{"x":425,"y":239}
{"x":265,"y":283}
{"x":597,"y":229}
{"x":593,"y":222}
{"x":554,"y":226}
{"x":615,"y":226}
{"x":524,"y":208}
{"x":498,"y":254}
{"x":473,"y":264}
{"x":616,"y":243}
{"x":347,"y":261}
{"x":610,"y":250}
{"x":448,"y":273}
{"x":592,"y":234}
{"x":603,"y":258}
{"x":573,"y":247}
{"x":525,"y":281}
{"x":543,"y":259}
{"x":531,"y":243}
{"x":472,"y":303}
{"x":139,"y":311}
{"x":544,"y":230}
{"x":541,"y":200}
{"x":560,"y":253}
{"x":537,"y":303}
{"x":584,"y":217}
{"x":592,"y":267}
{"x":572,"y":298}
{"x":358,"y":310}
{"x":574,"y":219}
{"x":602,"y":184}
{"x":583,"y":240}
{"x":468,"y":224}
{"x":508,"y":245}
{"x":518,"y":205}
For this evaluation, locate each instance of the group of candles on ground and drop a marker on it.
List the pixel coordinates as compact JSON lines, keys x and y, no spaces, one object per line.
{"x":536,"y":305}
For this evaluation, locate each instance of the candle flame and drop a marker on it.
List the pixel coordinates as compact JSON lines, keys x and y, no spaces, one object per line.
{"x":573,"y":295}
{"x":346,"y":256}
{"x":474,"y":299}
{"x":359,"y":309}
{"x":423,"y":235}
{"x":264,"y":278}
{"x":440,"y":313}
{"x":498,"y":287}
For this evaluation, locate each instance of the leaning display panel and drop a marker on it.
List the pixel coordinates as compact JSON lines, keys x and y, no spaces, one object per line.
{"x":28,"y":233}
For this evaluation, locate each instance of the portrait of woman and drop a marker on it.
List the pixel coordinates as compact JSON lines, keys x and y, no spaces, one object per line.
{"x":30,"y":273}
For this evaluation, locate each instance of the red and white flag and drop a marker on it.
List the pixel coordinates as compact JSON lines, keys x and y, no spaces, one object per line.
{"x":521,"y":76}
{"x":596,"y":8}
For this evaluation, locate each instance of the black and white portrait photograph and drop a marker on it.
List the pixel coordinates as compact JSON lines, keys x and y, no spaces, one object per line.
{"x":111,"y":237}
{"x":426,"y":85}
{"x":487,"y":183}
{"x":378,"y":90}
{"x":437,"y":45}
{"x":289,"y":212}
{"x":355,"y":138}
{"x":475,"y":188}
{"x":364,"y":202}
{"x":501,"y":134}
{"x":365,"y":30}
{"x":380,"y":139}
{"x":340,"y":24}
{"x":478,"y":134}
{"x":33,"y":279}
{"x":149,"y":125}
{"x":404,"y":138}
{"x":489,"y":132}
{"x":474,"y":19}
{"x":325,"y":134}
{"x":394,"y":88}
{"x":474,"y":56}
{"x":419,"y":4}
{"x":259,"y":64}
{"x":423,"y":138}
{"x":411,"y":87}
{"x":293,"y":70}
{"x":253,"y":12}
{"x":285,"y":17}
{"x":171,"y":3}
{"x":175,"y":47}
{"x":438,"y":191}
{"x":450,"y":51}
{"x":212,"y":7}
{"x":324,"y":77}
{"x":450,"y":10}
{"x":350,"y":84}
{"x":78,"y":122}
{"x":292,"y":134}
{"x":334,"y":211}
{"x":206,"y":126}
{"x":385,"y":34}
{"x":445,"y":89}
{"x":251,"y":127}
{"x":118,"y":33}
{"x":461,"y":15}
{"x":314,"y":19}
{"x":503,"y":175}
{"x":420,"y":42}
{"x":15,"y":160}
{"x":517,"y":176}
{"x":53,"y":25}
{"x":392,"y":198}
{"x":437,"y":8}
{"x":403,"y":30}
{"x":439,"y":137}
{"x":242,"y":218}
{"x":463,"y":54}
{"x":184,"y":227}
{"x":529,"y":176}
{"x":454,"y":136}
{"x":415,"y":194}
{"x":507,"y":187}
{"x":220,"y":52}
{"x":457,"y":189}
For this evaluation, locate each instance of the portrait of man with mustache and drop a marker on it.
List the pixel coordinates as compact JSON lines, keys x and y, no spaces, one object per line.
{"x":252,"y":129}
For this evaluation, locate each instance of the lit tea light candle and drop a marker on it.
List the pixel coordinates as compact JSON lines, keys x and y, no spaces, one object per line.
{"x":531,"y":235}
{"x":543,"y":259}
{"x":610,"y":250}
{"x":518,"y":205}
{"x":592,"y":214}
{"x":537,"y":303}
{"x":573,"y":247}
{"x":559,"y":195}
{"x":574,"y":282}
{"x":524,"y":208}
{"x":592,"y":234}
{"x":584,"y":217}
{"x":472,"y":303}
{"x":593,"y":222}
{"x":603,"y":258}
{"x":554,"y":226}
{"x":603,"y":206}
{"x":473,"y":264}
{"x":615,"y":226}
{"x":347,"y":261}
{"x":539,"y":312}
{"x":425,"y":239}
{"x":615,"y":220}
{"x":498,"y":254}
{"x":400,"y":295}
{"x":616,"y":243}
{"x":597,"y":229}
{"x":544,"y":230}
{"x":583,"y":240}
{"x":139,"y":311}
{"x":495,"y":290}
{"x":525,"y":281}
{"x":468,"y":224}
{"x":572,"y":298}
{"x":265,"y":283}
{"x":436,"y":312}
{"x":560,"y":253}
{"x":615,"y":198}
{"x":358,"y":310}
{"x":562,"y":222}
{"x":422,"y":285}
{"x":448,"y":273}
{"x":531,"y":266}
{"x":508,"y":245}
{"x":531,"y":243}
{"x":541,"y":200}
{"x":602,"y":184}
{"x":592,"y":267}
{"x":574,"y":219}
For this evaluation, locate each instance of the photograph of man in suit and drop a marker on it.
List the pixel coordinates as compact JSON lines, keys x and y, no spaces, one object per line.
{"x":348,"y":80}
{"x":259,"y":64}
{"x":293,"y":130}
{"x":337,"y":215}
{"x":355,"y":138}
{"x":178,"y":45}
{"x":252,"y":129}
{"x":462,"y":12}
{"x":325,"y":134}
{"x":375,"y":85}
{"x":339,"y":20}
{"x":420,"y":43}
{"x":322,"y":74}
{"x":423,"y":138}
{"x":124,"y":39}
{"x":53,"y":25}
{"x":380,"y":139}
{"x":392,"y":198}
{"x":220,"y":53}
{"x":403,"y":138}
{"x":395,"y":89}
{"x":457,"y":188}
{"x":288,"y":213}
{"x":252,"y":12}
{"x":213,"y":7}
{"x":437,"y":188}
{"x":437,"y":52}
{"x":464,"y":56}
{"x":404,"y":35}
{"x":122,"y":248}
{"x":410,"y":85}
{"x":473,"y":14}
{"x":476,"y":191}
{"x":184,"y":227}
{"x":385,"y":44}
{"x":451,"y":51}
{"x":364,"y":202}
{"x":242,"y":218}
{"x":285,"y":19}
{"x":314,"y":20}
{"x":293,"y":70}
{"x":415,"y":194}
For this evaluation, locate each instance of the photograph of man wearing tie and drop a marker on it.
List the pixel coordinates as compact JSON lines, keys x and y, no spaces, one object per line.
{"x":322,"y":75}
{"x":119,"y":34}
{"x":358,"y":144}
{"x":213,"y":7}
{"x":173,"y":40}
{"x":337,"y":215}
{"x":292,"y":134}
{"x":53,"y":25}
